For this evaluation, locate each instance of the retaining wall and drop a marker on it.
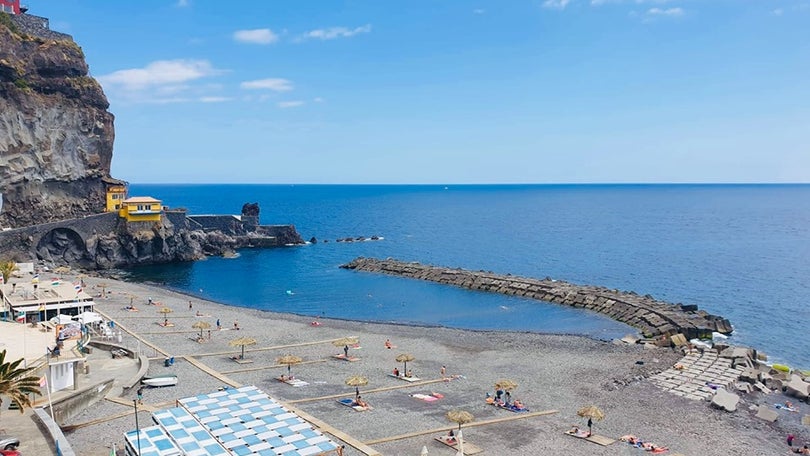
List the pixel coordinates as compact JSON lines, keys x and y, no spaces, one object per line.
{"x":652,"y":317}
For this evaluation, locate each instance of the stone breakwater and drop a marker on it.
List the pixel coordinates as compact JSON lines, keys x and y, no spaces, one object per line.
{"x":652,"y":317}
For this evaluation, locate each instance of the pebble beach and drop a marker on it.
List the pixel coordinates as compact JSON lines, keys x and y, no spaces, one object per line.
{"x":555,"y":374}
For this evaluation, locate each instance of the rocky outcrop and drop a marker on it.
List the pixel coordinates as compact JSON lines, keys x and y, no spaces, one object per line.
{"x":56,"y":135}
{"x":653,"y":317}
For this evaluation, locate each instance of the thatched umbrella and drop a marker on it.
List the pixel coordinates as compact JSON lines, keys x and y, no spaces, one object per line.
{"x":404,"y":358}
{"x":506,"y":384}
{"x":289,"y":360}
{"x":343,"y":341}
{"x":242,"y":342}
{"x":460,"y":417}
{"x":591,"y":412}
{"x":201,"y":325}
{"x":357,"y":381}
{"x":62,"y":270}
{"x":165,"y":311}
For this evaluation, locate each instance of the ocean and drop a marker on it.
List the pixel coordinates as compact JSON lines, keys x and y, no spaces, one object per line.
{"x":740,"y":251}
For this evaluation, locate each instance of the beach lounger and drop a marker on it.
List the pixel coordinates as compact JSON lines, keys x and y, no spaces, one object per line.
{"x":292,"y":381}
{"x":407,"y":379}
{"x":343,"y":357}
{"x":597,"y":439}
{"x":469,"y":448}
{"x":348,"y":402}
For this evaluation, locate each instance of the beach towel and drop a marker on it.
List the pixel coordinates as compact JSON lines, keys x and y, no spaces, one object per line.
{"x":407,"y":379}
{"x":348,"y":402}
{"x":292,"y":381}
{"x":427,"y":397}
{"x":511,"y":408}
{"x":343,"y":357}
{"x":469,"y":448}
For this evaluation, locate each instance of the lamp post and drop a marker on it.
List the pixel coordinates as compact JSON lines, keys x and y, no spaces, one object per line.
{"x":137,"y":428}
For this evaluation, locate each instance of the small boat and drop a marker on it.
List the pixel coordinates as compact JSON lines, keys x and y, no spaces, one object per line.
{"x":160,"y":380}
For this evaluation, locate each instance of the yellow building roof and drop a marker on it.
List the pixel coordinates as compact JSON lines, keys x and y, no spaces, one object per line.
{"x":141,"y":199}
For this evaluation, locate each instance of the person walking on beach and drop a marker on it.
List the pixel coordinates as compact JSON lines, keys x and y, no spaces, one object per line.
{"x":346,"y":351}
{"x":219,"y":326}
{"x":444,"y":372}
{"x":140,"y":395}
{"x":190,"y":306}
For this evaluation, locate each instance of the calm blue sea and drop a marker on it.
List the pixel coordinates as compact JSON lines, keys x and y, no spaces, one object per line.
{"x":741,"y":251}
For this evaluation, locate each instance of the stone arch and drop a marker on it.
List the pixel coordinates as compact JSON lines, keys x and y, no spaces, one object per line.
{"x":62,"y":245}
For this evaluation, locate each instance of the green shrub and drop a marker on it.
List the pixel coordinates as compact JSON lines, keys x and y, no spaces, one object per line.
{"x":5,"y":19}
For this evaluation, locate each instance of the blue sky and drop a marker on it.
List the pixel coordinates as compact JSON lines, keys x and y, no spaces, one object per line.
{"x":444,"y":91}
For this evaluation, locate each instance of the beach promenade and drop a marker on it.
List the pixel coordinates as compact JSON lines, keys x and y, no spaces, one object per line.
{"x":556,"y":375}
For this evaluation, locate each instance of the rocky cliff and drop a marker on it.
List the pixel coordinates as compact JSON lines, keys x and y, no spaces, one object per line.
{"x":56,"y":135}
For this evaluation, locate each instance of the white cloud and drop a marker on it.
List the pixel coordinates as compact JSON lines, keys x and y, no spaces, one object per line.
{"x":556,"y":4}
{"x":290,"y":104}
{"x":274,"y":84}
{"x":255,"y":36}
{"x":671,"y":12}
{"x":159,"y":73}
{"x":214,"y":99}
{"x":332,"y":33}
{"x":164,"y":81}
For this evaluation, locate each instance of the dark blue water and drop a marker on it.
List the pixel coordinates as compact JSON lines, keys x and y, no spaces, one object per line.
{"x":741,"y":251}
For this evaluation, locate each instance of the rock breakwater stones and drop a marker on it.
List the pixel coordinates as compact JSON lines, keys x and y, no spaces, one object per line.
{"x":797,"y":387}
{"x":725,"y":401}
{"x":697,"y":375}
{"x":652,"y":317}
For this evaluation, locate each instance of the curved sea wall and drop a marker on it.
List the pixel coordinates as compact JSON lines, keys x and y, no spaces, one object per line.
{"x":652,"y":317}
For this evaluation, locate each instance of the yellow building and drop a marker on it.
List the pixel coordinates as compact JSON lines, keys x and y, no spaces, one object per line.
{"x":116,"y":193}
{"x":141,"y":209}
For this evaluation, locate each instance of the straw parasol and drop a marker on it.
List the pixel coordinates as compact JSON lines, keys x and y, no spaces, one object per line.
{"x":506,"y":384}
{"x":242,"y":342}
{"x":357,"y":381}
{"x":460,"y":417}
{"x":343,"y":341}
{"x":165,"y":311}
{"x":289,"y":360}
{"x":62,"y":270}
{"x":404,"y":358}
{"x":201,"y":325}
{"x":591,"y":412}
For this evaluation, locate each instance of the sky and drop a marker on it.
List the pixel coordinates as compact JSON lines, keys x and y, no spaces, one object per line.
{"x":450,"y":91}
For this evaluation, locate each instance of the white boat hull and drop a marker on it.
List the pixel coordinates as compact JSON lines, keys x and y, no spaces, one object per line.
{"x":160,"y":381}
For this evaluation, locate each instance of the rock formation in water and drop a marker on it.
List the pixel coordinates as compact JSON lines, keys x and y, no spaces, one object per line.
{"x":56,"y":134}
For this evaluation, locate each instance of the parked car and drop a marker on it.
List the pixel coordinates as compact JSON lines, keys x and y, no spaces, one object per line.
{"x":8,"y":443}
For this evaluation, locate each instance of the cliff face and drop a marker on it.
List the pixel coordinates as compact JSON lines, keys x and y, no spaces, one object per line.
{"x":56,"y":135}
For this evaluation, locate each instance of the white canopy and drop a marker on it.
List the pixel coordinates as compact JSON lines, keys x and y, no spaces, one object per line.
{"x":61,"y":319}
{"x":88,"y":318}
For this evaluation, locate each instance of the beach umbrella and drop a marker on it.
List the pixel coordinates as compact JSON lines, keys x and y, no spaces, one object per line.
{"x":343,"y":341}
{"x":242,"y":342}
{"x":62,"y":270}
{"x":460,"y":417}
{"x":404,"y":358}
{"x":201,"y":325}
{"x":289,"y":360}
{"x":357,"y":381}
{"x":165,"y":311}
{"x":506,"y":384}
{"x":591,"y":412}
